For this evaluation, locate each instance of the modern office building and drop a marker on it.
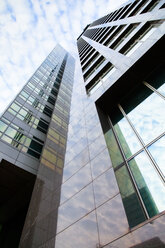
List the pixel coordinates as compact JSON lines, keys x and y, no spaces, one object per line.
{"x":94,"y":152}
{"x":113,"y":191}
{"x":33,"y":133}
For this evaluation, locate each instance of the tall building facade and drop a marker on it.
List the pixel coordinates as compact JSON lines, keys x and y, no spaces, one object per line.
{"x":95,"y":151}
{"x":113,"y":192}
{"x":33,"y":134}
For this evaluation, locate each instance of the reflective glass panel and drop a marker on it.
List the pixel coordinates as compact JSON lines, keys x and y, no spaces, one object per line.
{"x":149,"y":184}
{"x":31,"y":99}
{"x":7,"y":139}
{"x":33,"y":153}
{"x":127,"y":138}
{"x":131,"y":202}
{"x":15,"y":107}
{"x":36,"y":121}
{"x":27,"y":142}
{"x":31,"y":85}
{"x":11,"y":132}
{"x":36,"y":146}
{"x":100,"y":163}
{"x":157,"y":151}
{"x":145,"y":112}
{"x":75,"y":183}
{"x":112,"y":222}
{"x":4,"y":119}
{"x":113,"y":148}
{"x":49,"y":156}
{"x":24,"y":149}
{"x":12,"y":111}
{"x":105,"y":187}
{"x":21,"y":137}
{"x":16,"y":127}
{"x":24,"y":94}
{"x":75,"y":208}
{"x":86,"y":228}
{"x":23,"y":112}
{"x":21,"y":117}
{"x":3,"y":126}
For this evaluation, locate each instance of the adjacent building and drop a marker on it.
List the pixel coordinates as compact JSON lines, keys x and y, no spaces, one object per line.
{"x":33,"y":134}
{"x":90,"y":158}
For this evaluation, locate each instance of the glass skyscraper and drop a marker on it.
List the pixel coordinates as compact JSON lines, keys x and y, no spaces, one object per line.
{"x":33,"y":134}
{"x":95,"y":151}
{"x":113,"y":192}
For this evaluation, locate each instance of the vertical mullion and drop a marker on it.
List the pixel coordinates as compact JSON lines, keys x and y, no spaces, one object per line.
{"x":129,"y":171}
{"x":156,"y":167}
{"x":154,"y":90}
{"x":160,"y":174}
{"x":131,"y":125}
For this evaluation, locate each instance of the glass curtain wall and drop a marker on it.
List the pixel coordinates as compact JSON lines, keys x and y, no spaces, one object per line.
{"x":136,"y":143}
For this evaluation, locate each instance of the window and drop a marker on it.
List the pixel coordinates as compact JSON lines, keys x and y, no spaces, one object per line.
{"x":41,"y":125}
{"x":31,"y":86}
{"x":27,"y":116}
{"x":39,"y":92}
{"x":47,"y":111}
{"x":51,"y":100}
{"x":138,"y":7}
{"x":102,"y":79}
{"x":94,"y":67}
{"x":123,"y":36}
{"x":24,"y":95}
{"x":138,"y":40}
{"x":150,"y":6}
{"x":138,"y":43}
{"x":56,"y":137}
{"x":33,"y":101}
{"x":90,"y":61}
{"x":33,"y":146}
{"x":3,"y":126}
{"x":54,"y":92}
{"x":134,"y":131}
{"x":13,"y":136}
{"x":112,"y":36}
{"x":14,"y":108}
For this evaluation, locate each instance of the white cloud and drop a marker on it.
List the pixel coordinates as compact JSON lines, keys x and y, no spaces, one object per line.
{"x":29,"y":30}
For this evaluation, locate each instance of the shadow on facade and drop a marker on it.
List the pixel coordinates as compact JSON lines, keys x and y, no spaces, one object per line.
{"x":151,"y":243}
{"x":16,"y":187}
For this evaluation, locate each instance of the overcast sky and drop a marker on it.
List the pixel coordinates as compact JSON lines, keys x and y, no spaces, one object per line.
{"x":30,"y":29}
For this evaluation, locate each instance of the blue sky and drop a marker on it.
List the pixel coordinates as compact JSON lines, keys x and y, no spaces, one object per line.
{"x":30,"y":29}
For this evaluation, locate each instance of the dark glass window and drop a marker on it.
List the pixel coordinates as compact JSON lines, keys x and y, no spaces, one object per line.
{"x":51,"y":100}
{"x":48,"y":111}
{"x":133,"y":208}
{"x":42,"y":125}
